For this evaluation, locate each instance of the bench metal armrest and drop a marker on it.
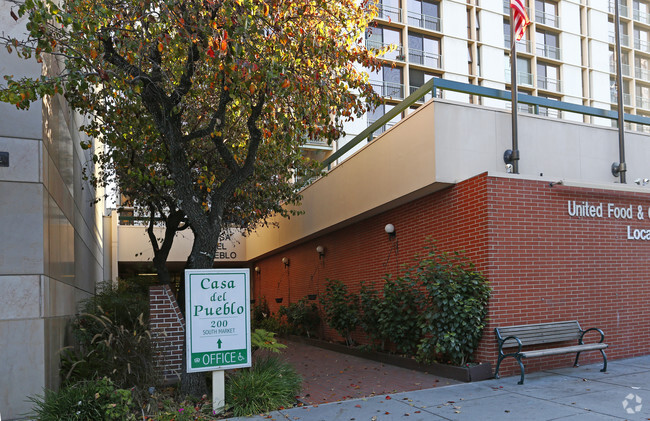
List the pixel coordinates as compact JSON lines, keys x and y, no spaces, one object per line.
{"x":502,"y":341}
{"x":582,"y":334}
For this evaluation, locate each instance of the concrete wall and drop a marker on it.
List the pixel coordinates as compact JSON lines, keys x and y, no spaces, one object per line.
{"x":51,"y":248}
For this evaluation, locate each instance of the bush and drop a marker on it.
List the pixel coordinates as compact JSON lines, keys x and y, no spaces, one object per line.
{"x":261,"y":339}
{"x":456,"y":307}
{"x":302,"y":317}
{"x":341,"y":308}
{"x":112,"y":340}
{"x":260,"y":312}
{"x":88,"y":400}
{"x":268,"y":385}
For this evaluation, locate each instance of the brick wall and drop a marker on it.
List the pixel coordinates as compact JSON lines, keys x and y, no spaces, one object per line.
{"x":167,"y":326}
{"x":543,"y":264}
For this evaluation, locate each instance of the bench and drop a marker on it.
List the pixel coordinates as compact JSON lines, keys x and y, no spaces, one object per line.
{"x":541,"y":334}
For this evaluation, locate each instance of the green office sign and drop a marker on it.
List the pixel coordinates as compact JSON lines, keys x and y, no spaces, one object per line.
{"x":217,"y":308}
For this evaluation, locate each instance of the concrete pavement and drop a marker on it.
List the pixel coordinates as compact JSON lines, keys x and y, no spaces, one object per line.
{"x":567,"y":394}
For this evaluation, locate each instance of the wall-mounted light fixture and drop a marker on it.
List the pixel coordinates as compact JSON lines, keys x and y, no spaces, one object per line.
{"x":321,"y":251}
{"x":618,"y":168}
{"x":285,"y":260}
{"x":257,"y":270}
{"x":390,"y":230}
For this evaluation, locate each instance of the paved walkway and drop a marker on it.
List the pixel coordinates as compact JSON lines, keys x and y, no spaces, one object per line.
{"x":567,"y":394}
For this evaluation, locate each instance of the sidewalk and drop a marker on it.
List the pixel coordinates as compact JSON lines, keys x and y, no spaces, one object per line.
{"x":567,"y":394}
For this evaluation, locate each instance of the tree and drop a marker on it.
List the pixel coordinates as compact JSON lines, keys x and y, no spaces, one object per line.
{"x":217,"y":95}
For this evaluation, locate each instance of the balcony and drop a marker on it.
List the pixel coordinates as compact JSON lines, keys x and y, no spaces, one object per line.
{"x":622,"y":9}
{"x":641,"y":73}
{"x":390,"y":13}
{"x":317,"y":144}
{"x":625,"y":68}
{"x":506,"y":8}
{"x":548,"y":51}
{"x":381,"y":129}
{"x":396,"y":54}
{"x":427,"y":96}
{"x":640,"y":16}
{"x":627,"y":98}
{"x":549,"y":84}
{"x":431,"y":23}
{"x":625,"y":39}
{"x":547,"y":19}
{"x":641,"y":45}
{"x":425,"y":59}
{"x":523,"y":45}
{"x":642,"y":102}
{"x":523,"y":78}
{"x":388,"y":89}
{"x":549,"y":112}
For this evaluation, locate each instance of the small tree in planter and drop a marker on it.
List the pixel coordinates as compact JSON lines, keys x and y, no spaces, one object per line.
{"x":456,"y":308}
{"x":341,"y":308}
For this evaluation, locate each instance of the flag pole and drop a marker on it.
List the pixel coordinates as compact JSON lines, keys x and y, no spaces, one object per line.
{"x":620,"y":168}
{"x":513,"y":92}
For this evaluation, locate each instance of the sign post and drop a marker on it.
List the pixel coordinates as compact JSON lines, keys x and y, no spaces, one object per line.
{"x":217,"y":305}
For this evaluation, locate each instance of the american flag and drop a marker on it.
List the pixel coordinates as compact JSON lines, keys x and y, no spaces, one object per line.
{"x":520,"y":17}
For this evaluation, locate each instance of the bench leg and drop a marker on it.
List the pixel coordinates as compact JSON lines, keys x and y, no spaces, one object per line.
{"x":521,"y":366}
{"x":496,"y":371}
{"x":602,"y":351}
{"x":575,"y":364}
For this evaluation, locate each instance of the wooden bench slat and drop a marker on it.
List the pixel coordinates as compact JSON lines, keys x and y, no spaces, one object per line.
{"x":562,"y":350}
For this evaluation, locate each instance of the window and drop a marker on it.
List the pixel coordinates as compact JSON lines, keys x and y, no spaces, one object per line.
{"x":418,"y":78}
{"x":641,"y":38}
{"x":548,"y":44}
{"x":548,"y":77}
{"x":377,"y":113}
{"x":524,"y":76}
{"x":424,"y":51}
{"x":390,"y":10}
{"x":641,"y":11}
{"x":549,"y":112}
{"x":643,"y":96}
{"x":424,"y":14}
{"x":389,"y":82}
{"x":626,"y":92}
{"x":625,"y":40}
{"x":379,"y":37}
{"x":546,"y":13}
{"x":641,"y":67}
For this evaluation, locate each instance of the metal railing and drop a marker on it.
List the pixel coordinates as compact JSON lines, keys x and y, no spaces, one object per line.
{"x":523,"y":45}
{"x":625,"y":39}
{"x":506,"y":8}
{"x":548,"y":51}
{"x":641,"y":73}
{"x":547,"y":19}
{"x":549,"y":84}
{"x":640,"y":16}
{"x":424,"y":58}
{"x":642,"y":102}
{"x":523,"y":78}
{"x":613,"y":97}
{"x":393,"y":14}
{"x":396,"y":54}
{"x":431,"y":23}
{"x":622,"y":9}
{"x":625,"y":68}
{"x":388,"y":89}
{"x":641,"y":45}
{"x":436,"y":84}
{"x":426,"y":96}
{"x":383,"y":127}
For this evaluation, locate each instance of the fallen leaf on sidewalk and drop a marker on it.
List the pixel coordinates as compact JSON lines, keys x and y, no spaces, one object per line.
{"x":357,"y":406}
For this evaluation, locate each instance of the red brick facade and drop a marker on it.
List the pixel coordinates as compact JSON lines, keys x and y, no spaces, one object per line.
{"x":167,"y":326}
{"x":543,"y":264}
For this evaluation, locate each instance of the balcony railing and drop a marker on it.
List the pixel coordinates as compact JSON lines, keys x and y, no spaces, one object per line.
{"x":641,"y":45}
{"x":625,"y":39}
{"x":381,"y":129}
{"x":548,"y":19}
{"x":627,"y":98}
{"x":523,"y":78}
{"x":388,"y":89}
{"x":642,"y":102}
{"x":426,"y":96}
{"x":640,"y":16}
{"x":424,"y":21}
{"x":641,"y":73}
{"x":523,"y":45}
{"x":424,"y":58}
{"x":548,"y":51}
{"x":506,"y":8}
{"x":396,"y":54}
{"x":549,"y":84}
{"x":622,"y":9}
{"x":625,"y":68}
{"x":393,"y":14}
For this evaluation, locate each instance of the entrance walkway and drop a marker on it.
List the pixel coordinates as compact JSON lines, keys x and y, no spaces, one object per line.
{"x":330,"y":376}
{"x":567,"y":394}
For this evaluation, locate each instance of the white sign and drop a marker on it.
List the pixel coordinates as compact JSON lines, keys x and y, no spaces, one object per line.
{"x":217,"y":308}
{"x":613,"y":211}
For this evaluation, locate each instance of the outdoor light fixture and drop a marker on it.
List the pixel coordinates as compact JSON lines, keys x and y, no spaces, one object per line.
{"x":618,"y":168}
{"x":321,"y":251}
{"x":390,"y":230}
{"x":285,"y":260}
{"x":257,"y":269}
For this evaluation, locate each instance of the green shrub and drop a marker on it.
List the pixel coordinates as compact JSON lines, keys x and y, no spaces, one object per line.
{"x":341,"y":308}
{"x":260,"y":312}
{"x":268,"y":385}
{"x":370,"y":309}
{"x":261,"y":339}
{"x":87,"y":400}
{"x":456,"y":308}
{"x":302,"y":317}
